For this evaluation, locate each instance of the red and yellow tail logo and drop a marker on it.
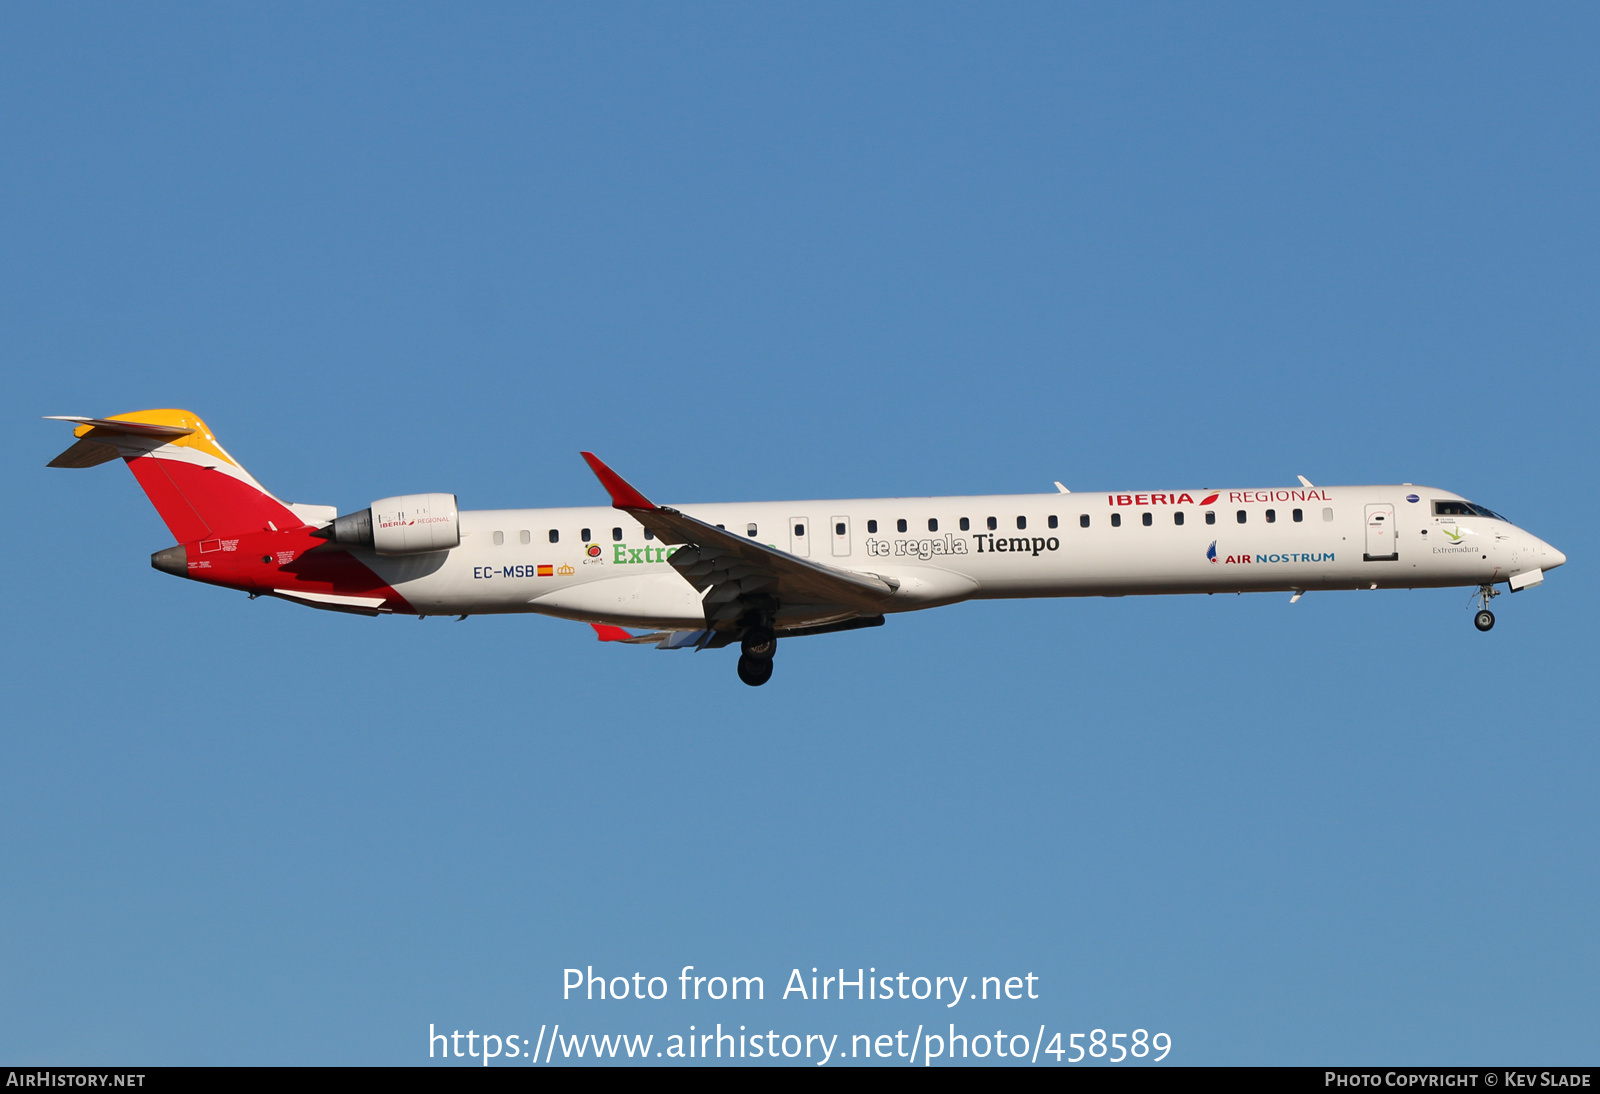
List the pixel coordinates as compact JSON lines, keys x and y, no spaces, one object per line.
{"x":200,"y":490}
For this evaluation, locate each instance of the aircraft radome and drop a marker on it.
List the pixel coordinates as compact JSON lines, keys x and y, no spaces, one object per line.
{"x":707,"y":576}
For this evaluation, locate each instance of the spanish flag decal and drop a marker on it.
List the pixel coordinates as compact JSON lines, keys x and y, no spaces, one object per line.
{"x":546,"y":571}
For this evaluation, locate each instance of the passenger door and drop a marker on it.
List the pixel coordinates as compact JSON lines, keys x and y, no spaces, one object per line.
{"x":1380,"y":534}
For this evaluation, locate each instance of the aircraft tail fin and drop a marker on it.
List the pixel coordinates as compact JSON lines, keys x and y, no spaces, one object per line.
{"x":199,"y":490}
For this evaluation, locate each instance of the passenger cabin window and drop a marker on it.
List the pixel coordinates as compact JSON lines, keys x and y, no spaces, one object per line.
{"x":1052,"y":522}
{"x":616,"y":534}
{"x":1272,"y":516}
{"x":1022,"y":522}
{"x":993,"y":524}
{"x":799,"y":529}
{"x":499,"y":538}
{"x":1083,"y":520}
{"x":1148,"y":520}
{"x":750,"y":530}
{"x":1211,"y":516}
{"x":582,"y":534}
{"x":966,"y":525}
{"x":900,"y":524}
{"x":1116,"y":520}
{"x":1242,"y":516}
{"x":838,"y":529}
{"x":872,"y":527}
{"x":648,"y":534}
{"x":555,"y":536}
{"x":1299,"y":515}
{"x":525,"y":536}
{"x":1327,"y":514}
{"x":1177,"y":518}
{"x":933,"y":524}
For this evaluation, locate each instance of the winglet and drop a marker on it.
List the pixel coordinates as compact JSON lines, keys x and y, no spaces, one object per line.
{"x":607,"y":633}
{"x":623,"y":496}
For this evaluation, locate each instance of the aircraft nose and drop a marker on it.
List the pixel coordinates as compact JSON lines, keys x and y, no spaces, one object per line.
{"x":1549,"y":557}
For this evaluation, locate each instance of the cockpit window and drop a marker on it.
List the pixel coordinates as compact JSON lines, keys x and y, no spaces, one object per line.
{"x":1463,"y":509}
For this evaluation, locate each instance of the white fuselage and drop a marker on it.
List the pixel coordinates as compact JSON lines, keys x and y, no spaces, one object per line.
{"x":596,"y":564}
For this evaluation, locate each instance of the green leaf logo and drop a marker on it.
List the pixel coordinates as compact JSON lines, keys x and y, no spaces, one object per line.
{"x":1455,"y":536}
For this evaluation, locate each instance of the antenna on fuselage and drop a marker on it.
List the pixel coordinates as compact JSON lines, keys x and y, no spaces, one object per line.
{"x":1062,"y":489}
{"x":1305,"y":482}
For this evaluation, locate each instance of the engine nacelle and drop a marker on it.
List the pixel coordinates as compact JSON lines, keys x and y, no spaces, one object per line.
{"x":412,"y":524}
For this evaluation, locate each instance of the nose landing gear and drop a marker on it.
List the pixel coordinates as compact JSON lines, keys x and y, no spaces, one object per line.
{"x":1484,"y":620}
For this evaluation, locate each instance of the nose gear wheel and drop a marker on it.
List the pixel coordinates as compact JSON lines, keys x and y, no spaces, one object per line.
{"x":1484,"y":620}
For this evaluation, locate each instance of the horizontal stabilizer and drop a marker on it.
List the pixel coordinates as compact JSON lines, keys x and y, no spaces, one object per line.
{"x":112,"y":425}
{"x":91,"y":450}
{"x":200,"y":491}
{"x":86,"y":453}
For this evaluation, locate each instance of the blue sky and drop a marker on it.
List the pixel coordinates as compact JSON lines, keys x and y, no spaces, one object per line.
{"x":798,"y":252}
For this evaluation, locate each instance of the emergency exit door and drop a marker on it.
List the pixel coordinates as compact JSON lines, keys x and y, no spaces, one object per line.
{"x":841,"y":535}
{"x":799,"y":541}
{"x":1380,"y":534}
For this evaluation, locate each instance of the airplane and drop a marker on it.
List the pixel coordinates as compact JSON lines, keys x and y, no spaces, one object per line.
{"x":707,"y":576}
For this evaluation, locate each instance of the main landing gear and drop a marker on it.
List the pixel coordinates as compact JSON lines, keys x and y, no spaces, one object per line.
{"x":1484,"y":620}
{"x":755,"y":659}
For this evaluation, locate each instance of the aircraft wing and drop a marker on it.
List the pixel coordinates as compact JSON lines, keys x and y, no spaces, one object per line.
{"x":661,"y":640}
{"x":727,"y":567}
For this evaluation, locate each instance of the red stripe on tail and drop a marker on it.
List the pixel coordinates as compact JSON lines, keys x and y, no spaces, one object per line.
{"x":198,"y":502}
